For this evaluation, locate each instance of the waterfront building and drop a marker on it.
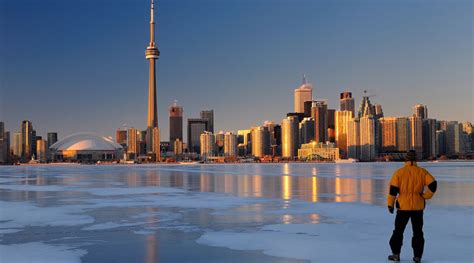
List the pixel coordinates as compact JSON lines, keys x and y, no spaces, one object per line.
{"x":6,"y":145}
{"x":440,"y":142}
{"x":260,"y":141}
{"x":319,"y":112}
{"x":302,"y":94}
{"x":33,"y":144}
{"x":230,"y":145}
{"x":3,"y":146}
{"x":244,"y":143}
{"x":314,"y":151}
{"x":388,"y":127}
{"x":306,"y":129}
{"x":26,"y":140}
{"x":353,"y":138}
{"x":207,"y":142}
{"x":429,"y":138}
{"x":416,"y":135}
{"x":86,"y":147}
{"x":366,"y":108}
{"x":178,"y":147}
{"x":52,"y":138}
{"x":342,"y":119}
{"x":176,"y":122}
{"x":454,"y":139}
{"x":121,"y":137}
{"x":289,"y":137}
{"x":403,"y":134}
{"x":41,"y":154}
{"x":421,"y":111}
{"x":133,"y":141}
{"x":17,"y":144}
{"x":331,"y":132}
{"x":367,"y":138}
{"x":468,"y":129}
{"x":196,"y":127}
{"x":347,"y":102}
{"x":153,"y":132}
{"x":209,"y":116}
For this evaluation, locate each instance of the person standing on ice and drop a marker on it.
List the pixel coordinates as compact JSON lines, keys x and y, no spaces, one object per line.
{"x":410,"y":186}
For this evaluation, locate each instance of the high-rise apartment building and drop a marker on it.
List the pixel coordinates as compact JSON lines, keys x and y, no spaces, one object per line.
{"x":230,"y":145}
{"x":331,"y":132}
{"x":403,"y":134}
{"x":416,"y":135}
{"x":133,"y":138}
{"x":454,"y":139}
{"x":319,"y":112}
{"x":176,"y":122}
{"x":289,"y":137}
{"x":220,"y":137}
{"x":342,"y":119}
{"x":209,"y":116}
{"x":260,"y":141}
{"x":388,"y":127}
{"x":17,"y":144}
{"x":41,"y":154}
{"x":196,"y":127}
{"x":347,"y":102}
{"x":302,"y":94}
{"x":52,"y":138}
{"x":440,"y":142}
{"x":207,"y":144}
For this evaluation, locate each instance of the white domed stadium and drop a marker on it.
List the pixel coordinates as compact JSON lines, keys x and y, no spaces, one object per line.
{"x":86,"y":147}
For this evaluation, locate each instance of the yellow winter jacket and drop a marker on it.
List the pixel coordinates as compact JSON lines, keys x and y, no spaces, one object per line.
{"x":409,"y":184}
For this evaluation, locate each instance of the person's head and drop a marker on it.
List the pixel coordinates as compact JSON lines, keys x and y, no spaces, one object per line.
{"x":410,"y":156}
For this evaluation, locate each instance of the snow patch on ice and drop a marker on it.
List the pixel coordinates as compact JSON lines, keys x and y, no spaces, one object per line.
{"x":110,"y":225}
{"x":131,"y":190}
{"x":39,"y":252}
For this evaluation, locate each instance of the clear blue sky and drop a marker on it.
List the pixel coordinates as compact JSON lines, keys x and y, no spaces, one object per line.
{"x":73,"y":66}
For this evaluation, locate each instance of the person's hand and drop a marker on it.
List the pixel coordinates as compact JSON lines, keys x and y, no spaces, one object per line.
{"x":390,"y":209}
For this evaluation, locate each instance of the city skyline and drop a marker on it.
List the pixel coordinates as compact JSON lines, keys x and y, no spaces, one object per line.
{"x":106,"y":121}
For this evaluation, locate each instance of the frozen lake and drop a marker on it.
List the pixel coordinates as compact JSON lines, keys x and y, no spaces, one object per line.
{"x":224,"y":213}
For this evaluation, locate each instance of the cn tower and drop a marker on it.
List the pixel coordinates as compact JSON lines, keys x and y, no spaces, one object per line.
{"x":153,"y":132}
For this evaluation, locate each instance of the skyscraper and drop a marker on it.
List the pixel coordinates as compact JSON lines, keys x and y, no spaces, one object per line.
{"x":26,"y":140}
{"x":3,"y":146}
{"x":306,"y":128}
{"x":368,"y":150}
{"x":244,"y":142}
{"x":260,"y":141}
{"x":319,"y":112}
{"x":209,"y":116}
{"x":41,"y":150}
{"x":420,"y":110}
{"x":331,"y":132}
{"x":152,"y":54}
{"x":347,"y":102}
{"x":302,"y":94}
{"x":207,"y":143}
{"x":196,"y":127}
{"x":429,"y":138}
{"x":440,"y":142}
{"x":416,"y":135}
{"x":403,"y":134}
{"x":52,"y":138}
{"x":289,"y":137}
{"x":220,"y":137}
{"x":176,"y":122}
{"x":230,"y":145}
{"x":388,"y":127}
{"x":353,"y":138}
{"x":342,"y":126}
{"x":17,"y":144}
{"x":366,"y":108}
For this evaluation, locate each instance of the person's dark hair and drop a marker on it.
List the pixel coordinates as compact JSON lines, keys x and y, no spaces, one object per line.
{"x":411,"y":156}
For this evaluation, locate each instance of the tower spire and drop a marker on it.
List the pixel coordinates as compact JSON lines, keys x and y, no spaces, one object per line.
{"x":152,"y":23}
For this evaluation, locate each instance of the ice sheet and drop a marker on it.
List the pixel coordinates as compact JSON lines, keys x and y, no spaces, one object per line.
{"x":39,"y":252}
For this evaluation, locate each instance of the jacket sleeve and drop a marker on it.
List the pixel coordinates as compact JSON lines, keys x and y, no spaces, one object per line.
{"x":431,"y":184}
{"x":394,"y":190}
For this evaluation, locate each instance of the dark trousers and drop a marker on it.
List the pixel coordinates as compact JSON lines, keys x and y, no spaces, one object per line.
{"x":401,"y":221}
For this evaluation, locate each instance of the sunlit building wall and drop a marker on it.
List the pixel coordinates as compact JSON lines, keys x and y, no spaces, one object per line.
{"x":289,"y":137}
{"x":220,"y":137}
{"x":41,"y":150}
{"x":26,"y":140}
{"x":416,"y":127}
{"x":388,"y":127}
{"x":132,"y":142}
{"x":230,"y":144}
{"x":347,"y":102}
{"x":17,"y":144}
{"x":421,"y":111}
{"x":260,"y":141}
{"x":176,"y":122}
{"x":367,"y":138}
{"x":207,"y":141}
{"x":244,"y":142}
{"x":403,"y":134}
{"x":318,"y":151}
{"x":342,"y":119}
{"x":353,"y":138}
